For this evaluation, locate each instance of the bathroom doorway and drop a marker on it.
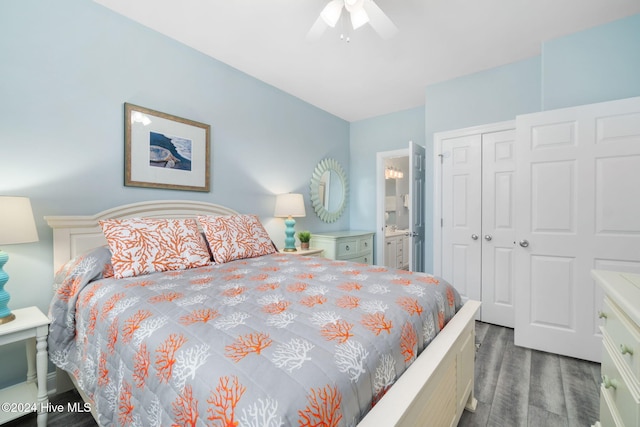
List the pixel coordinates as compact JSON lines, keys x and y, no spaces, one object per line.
{"x":400,"y":208}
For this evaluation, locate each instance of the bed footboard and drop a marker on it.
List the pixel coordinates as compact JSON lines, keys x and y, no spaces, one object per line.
{"x":438,"y":386}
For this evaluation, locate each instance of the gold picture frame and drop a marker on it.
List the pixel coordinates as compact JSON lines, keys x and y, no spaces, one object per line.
{"x":165,"y":151}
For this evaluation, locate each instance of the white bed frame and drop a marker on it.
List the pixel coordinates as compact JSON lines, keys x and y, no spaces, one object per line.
{"x":435,"y":389}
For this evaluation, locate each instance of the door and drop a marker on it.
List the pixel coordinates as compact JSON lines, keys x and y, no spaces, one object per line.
{"x":578,"y":209}
{"x":498,"y":227}
{"x":460,"y":218}
{"x":417,"y":163}
{"x":475,"y":208}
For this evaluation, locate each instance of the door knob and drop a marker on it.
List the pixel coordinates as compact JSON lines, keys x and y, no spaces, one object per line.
{"x":474,"y":236}
{"x":524,"y":243}
{"x":488,"y":237}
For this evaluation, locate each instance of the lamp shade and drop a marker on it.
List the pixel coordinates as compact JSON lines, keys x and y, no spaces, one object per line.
{"x":16,"y":221}
{"x":290,"y":204}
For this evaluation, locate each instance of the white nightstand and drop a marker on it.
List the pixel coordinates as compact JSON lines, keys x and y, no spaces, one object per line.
{"x":305,"y":252}
{"x":32,"y":326}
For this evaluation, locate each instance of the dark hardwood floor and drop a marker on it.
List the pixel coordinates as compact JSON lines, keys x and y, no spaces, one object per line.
{"x":514,"y":387}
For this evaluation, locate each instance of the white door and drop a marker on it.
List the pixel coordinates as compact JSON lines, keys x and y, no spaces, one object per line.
{"x":417,"y":163}
{"x":578,"y":209}
{"x":460,"y":220}
{"x":498,"y":227}
{"x":474,"y":239}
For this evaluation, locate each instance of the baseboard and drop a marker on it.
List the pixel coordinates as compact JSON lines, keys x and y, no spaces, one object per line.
{"x":51,"y":383}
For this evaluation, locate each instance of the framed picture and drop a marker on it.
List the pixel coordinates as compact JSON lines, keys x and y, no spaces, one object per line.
{"x":165,"y":151}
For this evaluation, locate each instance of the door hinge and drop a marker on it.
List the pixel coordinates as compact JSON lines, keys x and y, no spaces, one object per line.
{"x":441,"y":222}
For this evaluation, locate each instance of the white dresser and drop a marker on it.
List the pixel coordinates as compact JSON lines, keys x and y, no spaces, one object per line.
{"x":356,"y":246}
{"x":620,"y":389}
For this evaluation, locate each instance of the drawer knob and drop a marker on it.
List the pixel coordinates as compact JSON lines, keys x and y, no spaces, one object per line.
{"x":609,"y":382}
{"x":346,"y":248}
{"x":602,"y":315}
{"x":624,"y":349}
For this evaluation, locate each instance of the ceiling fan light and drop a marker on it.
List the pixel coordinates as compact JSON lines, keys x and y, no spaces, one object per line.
{"x":331,"y":12}
{"x":359,"y":17}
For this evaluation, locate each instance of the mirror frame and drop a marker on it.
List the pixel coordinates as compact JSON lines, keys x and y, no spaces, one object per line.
{"x":323,"y":166}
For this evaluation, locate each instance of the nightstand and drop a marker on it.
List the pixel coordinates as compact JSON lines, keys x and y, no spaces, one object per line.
{"x":305,"y":252}
{"x":32,"y":326}
{"x":348,"y":245}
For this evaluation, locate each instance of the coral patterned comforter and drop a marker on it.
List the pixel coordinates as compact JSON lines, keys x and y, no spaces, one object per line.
{"x":278,"y":340}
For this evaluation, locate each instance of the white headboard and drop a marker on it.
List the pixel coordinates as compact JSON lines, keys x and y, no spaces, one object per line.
{"x":74,"y":235}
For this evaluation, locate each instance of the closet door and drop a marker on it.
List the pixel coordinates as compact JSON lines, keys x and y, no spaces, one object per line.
{"x":460,"y":219}
{"x":578,"y":209}
{"x":498,"y":227}
{"x":477,"y":232}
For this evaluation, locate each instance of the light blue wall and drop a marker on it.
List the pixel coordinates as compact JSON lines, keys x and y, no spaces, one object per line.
{"x":596,"y":65}
{"x":66,"y":69}
{"x":490,"y":96}
{"x":383,"y":133}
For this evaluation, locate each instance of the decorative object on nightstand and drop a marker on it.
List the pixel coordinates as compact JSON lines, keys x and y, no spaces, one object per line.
{"x":32,"y":326}
{"x":348,"y":245}
{"x":288,"y":206}
{"x":16,"y":226}
{"x":304,"y":237}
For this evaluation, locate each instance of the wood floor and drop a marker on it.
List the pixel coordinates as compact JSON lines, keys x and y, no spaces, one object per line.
{"x":521,"y":387}
{"x":514,"y":387}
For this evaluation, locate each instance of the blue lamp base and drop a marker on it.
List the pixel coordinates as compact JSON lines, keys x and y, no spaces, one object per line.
{"x":6,"y":315}
{"x":289,"y":231}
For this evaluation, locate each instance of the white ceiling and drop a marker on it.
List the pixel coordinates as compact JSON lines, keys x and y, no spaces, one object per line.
{"x":369,"y":76}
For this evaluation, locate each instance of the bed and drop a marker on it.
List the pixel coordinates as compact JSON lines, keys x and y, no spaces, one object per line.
{"x":199,"y":373}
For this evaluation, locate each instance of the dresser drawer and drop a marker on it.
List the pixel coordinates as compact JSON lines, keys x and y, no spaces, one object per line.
{"x":345,"y":245}
{"x":624,"y":336}
{"x":347,"y":248}
{"x":365,"y":244}
{"x":608,"y":414}
{"x":365,"y":259}
{"x":617,"y":390}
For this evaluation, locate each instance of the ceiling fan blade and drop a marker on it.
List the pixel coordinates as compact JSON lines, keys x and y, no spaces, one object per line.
{"x":332,"y":11}
{"x":317,"y":30}
{"x":379,"y":21}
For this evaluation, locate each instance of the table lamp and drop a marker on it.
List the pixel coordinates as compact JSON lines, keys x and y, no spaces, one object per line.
{"x":288,"y":206}
{"x":16,"y":226}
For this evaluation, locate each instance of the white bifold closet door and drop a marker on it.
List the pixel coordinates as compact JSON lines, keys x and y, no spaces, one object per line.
{"x":578,"y":209}
{"x":477,"y":224}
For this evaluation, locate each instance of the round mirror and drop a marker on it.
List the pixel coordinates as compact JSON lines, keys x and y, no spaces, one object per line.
{"x":329,"y":190}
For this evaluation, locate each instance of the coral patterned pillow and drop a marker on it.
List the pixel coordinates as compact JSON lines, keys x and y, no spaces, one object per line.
{"x":146,"y":245}
{"x":236,"y":237}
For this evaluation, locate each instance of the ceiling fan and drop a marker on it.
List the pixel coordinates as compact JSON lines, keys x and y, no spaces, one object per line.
{"x":361,"y":12}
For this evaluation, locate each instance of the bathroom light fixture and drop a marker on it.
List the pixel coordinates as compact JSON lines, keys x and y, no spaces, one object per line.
{"x":393,"y":173}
